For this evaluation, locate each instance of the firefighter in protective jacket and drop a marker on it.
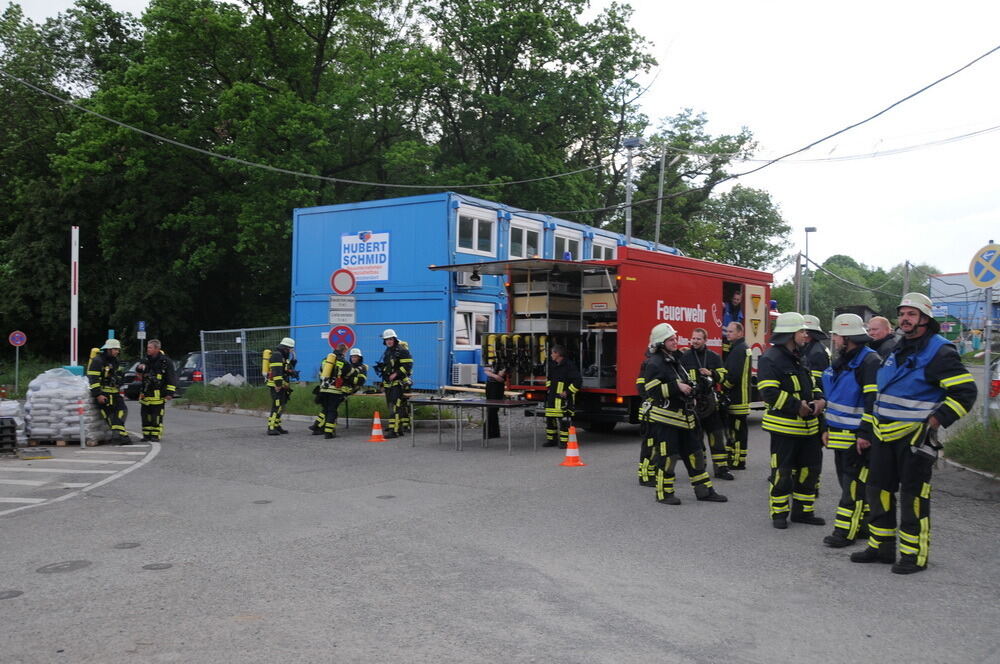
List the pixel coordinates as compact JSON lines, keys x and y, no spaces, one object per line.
{"x":563,"y":380}
{"x":705,"y":371}
{"x":672,"y":421}
{"x":397,"y":376}
{"x":849,"y":386}
{"x":330,"y":392}
{"x":647,"y":447}
{"x":159,"y":385}
{"x":922,"y":386}
{"x":279,"y":366}
{"x":794,"y":404}
{"x":102,"y":372}
{"x":736,"y":390}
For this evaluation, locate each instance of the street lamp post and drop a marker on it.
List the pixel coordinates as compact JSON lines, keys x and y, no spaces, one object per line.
{"x":807,"y":277}
{"x":630,"y":144}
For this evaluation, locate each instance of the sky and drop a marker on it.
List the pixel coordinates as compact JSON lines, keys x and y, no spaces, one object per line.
{"x":794,"y":72}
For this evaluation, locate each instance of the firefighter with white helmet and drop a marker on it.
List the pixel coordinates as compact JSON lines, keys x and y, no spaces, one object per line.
{"x":672,"y":421}
{"x":850,"y":389}
{"x":279,"y":366}
{"x":793,"y":405}
{"x":396,"y":369}
{"x":922,"y":386}
{"x":815,"y":355}
{"x":102,"y":372}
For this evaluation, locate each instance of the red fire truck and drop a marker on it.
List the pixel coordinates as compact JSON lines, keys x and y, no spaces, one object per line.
{"x":602,"y":312}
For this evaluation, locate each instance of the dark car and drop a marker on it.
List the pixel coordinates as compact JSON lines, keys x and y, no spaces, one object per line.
{"x":193,"y":369}
{"x":131,"y":386}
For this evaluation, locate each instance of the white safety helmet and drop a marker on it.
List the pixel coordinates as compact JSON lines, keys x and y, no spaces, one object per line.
{"x":849,"y":325}
{"x":789,"y":322}
{"x":918,"y":301}
{"x":112,"y":343}
{"x":388,"y":333}
{"x":661,"y":333}
{"x":812,"y":324}
{"x":288,"y":342}
{"x":355,"y":352}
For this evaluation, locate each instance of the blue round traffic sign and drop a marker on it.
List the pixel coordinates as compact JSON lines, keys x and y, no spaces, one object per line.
{"x":984,"y":271}
{"x":341,"y":334}
{"x":17,"y":338}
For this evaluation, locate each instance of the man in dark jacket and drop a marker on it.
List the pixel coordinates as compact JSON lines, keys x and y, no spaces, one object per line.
{"x":922,"y":386}
{"x":736,"y":385}
{"x":159,"y":385}
{"x":563,"y":381}
{"x":815,"y":355}
{"x":883,"y":340}
{"x":705,"y":371}
{"x":102,"y":373}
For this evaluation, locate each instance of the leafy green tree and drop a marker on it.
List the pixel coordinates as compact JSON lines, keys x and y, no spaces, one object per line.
{"x":740,"y":227}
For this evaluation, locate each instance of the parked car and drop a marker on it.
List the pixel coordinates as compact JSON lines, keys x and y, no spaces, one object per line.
{"x":193,"y":369}
{"x":995,"y":387}
{"x":131,"y":385}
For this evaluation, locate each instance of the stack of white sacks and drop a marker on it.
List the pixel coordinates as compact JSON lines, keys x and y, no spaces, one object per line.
{"x":12,"y":408}
{"x":52,"y":409}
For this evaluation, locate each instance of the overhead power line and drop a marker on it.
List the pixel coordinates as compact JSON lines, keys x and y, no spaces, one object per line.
{"x":848,"y":281}
{"x":789,"y":154}
{"x":286,"y":171}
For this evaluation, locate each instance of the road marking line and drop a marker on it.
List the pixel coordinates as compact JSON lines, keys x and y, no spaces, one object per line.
{"x":105,"y":461}
{"x":68,"y":485}
{"x":29,"y":501}
{"x":125,"y":471}
{"x":59,"y":471}
{"x":100,"y":452}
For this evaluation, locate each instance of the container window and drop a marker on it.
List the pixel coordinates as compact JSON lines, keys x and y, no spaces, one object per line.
{"x":473,"y":321}
{"x":476,"y":235}
{"x":523,"y":242}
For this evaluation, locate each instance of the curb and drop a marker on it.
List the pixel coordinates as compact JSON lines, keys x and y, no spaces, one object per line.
{"x":982,"y":473}
{"x":291,"y":417}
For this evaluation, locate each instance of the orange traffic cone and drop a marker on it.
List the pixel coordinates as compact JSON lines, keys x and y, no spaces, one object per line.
{"x":572,"y":451}
{"x":377,"y":436}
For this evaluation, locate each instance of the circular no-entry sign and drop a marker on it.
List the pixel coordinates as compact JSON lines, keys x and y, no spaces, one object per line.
{"x":341,"y":334}
{"x":984,"y":271}
{"x":342,"y":282}
{"x":17,"y":338}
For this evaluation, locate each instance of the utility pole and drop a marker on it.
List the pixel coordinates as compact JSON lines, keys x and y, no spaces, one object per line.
{"x":906,"y":278}
{"x":807,"y":275}
{"x":798,"y":281}
{"x":659,"y":190}
{"x":630,"y":144}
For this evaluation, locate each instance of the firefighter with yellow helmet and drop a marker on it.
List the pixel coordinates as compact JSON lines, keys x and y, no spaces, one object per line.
{"x":922,"y":386}
{"x":794,"y":403}
{"x":672,"y":420}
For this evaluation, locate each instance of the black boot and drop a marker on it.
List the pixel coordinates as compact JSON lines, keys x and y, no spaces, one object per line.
{"x":808,"y":518}
{"x":870,"y":555}
{"x":282,"y":430}
{"x":329,"y":435}
{"x":779,"y":522}
{"x":723,"y":473}
{"x":647,"y":482}
{"x":907,"y":565}
{"x":669,"y":499}
{"x":837,"y":540}
{"x":711,"y":496}
{"x":273,"y":432}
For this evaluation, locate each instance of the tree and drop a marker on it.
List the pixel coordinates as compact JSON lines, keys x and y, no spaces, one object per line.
{"x":741,"y":227}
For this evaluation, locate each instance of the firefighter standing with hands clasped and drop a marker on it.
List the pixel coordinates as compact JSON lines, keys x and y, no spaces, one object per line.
{"x":794,"y":403}
{"x":705,"y":371}
{"x":922,"y":386}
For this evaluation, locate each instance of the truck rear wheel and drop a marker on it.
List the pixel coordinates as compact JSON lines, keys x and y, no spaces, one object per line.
{"x":600,"y":427}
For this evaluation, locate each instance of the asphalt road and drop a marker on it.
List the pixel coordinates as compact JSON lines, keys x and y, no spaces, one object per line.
{"x":230,"y":546}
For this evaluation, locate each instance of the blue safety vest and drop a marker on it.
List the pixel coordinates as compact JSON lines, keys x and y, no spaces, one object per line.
{"x":905,"y":396}
{"x":845,"y":403}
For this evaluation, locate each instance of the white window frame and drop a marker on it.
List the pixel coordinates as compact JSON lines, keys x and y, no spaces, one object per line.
{"x":568,"y":236}
{"x":526,"y":227}
{"x":605,"y":244}
{"x":472,"y":309}
{"x":478,"y":215}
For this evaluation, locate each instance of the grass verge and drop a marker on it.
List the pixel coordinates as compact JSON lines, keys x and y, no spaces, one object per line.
{"x":362,"y":406}
{"x":976,"y":446}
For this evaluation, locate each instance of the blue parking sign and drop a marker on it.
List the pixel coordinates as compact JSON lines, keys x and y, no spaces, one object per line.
{"x":984,"y":271}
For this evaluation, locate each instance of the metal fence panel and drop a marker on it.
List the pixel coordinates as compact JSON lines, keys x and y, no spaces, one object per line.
{"x":240,"y":351}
